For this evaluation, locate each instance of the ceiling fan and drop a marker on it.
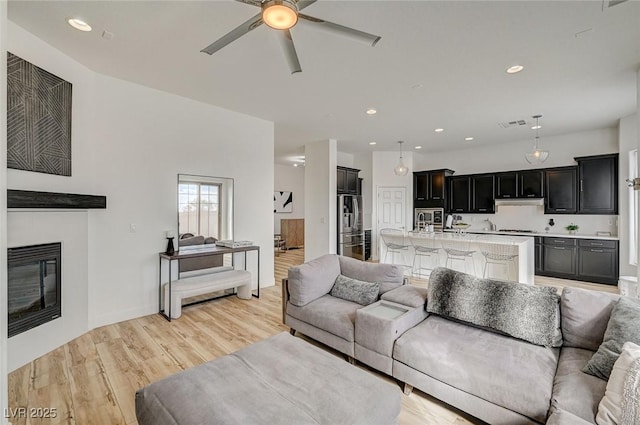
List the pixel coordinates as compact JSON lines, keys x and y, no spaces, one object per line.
{"x":282,"y":15}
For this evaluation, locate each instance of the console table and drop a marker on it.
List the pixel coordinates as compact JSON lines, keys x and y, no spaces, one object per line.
{"x":204,"y":251}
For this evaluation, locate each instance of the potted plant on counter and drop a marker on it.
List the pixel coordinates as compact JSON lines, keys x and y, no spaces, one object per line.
{"x":572,"y":228}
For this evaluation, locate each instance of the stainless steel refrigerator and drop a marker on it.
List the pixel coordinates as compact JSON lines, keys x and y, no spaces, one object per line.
{"x":350,"y":229}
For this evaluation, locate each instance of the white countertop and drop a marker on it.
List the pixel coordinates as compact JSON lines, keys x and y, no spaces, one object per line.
{"x":552,"y":235}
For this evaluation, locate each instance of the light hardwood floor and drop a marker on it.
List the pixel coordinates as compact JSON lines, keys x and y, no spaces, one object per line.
{"x":93,"y":379}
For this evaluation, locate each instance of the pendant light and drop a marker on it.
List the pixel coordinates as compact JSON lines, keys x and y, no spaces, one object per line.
{"x":537,"y":155}
{"x":401,"y":169}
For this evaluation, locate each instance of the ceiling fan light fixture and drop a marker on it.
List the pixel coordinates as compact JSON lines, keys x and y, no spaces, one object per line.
{"x":280,"y":14}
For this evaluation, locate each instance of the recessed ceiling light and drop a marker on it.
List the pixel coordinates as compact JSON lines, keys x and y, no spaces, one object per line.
{"x":295,"y":165}
{"x":535,"y":127}
{"x":79,"y":24}
{"x":468,"y":139}
{"x":514,"y":69}
{"x":439,"y":130}
{"x":418,"y":147}
{"x":371,"y":111}
{"x":372,"y":143}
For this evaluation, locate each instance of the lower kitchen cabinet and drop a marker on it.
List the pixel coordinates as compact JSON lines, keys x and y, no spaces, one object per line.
{"x":538,"y":255}
{"x":589,"y":260}
{"x":598,"y":261}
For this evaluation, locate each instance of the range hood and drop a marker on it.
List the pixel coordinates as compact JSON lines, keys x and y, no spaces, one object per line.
{"x":520,"y":201}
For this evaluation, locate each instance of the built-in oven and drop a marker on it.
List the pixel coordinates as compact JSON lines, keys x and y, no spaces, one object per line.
{"x":424,"y":217}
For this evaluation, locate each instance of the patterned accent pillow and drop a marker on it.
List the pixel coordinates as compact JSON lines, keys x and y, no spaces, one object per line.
{"x":360,"y":292}
{"x":622,"y":327}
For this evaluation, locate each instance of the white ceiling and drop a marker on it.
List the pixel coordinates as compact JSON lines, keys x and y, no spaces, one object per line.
{"x":439,"y":64}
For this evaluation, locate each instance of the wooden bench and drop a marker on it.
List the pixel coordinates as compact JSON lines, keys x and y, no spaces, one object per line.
{"x":205,"y":284}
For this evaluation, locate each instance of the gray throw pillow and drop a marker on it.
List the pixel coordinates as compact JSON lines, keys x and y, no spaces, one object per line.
{"x":624,"y":325}
{"x":360,"y":292}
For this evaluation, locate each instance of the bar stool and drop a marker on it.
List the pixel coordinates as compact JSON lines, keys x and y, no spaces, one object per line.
{"x":498,"y":250}
{"x":395,"y":242}
{"x":457,"y":248}
{"x":424,"y":245}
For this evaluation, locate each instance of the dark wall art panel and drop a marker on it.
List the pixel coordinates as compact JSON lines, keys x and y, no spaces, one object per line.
{"x":38,"y":119}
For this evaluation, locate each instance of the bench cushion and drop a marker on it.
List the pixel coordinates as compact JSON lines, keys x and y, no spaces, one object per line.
{"x":511,"y":373}
{"x":282,"y":379}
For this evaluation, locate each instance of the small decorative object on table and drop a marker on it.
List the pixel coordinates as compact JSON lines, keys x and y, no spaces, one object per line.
{"x":170,"y":234}
{"x":572,"y":228}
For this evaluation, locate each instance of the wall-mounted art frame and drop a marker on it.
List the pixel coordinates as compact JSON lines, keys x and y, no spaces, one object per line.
{"x":282,"y":202}
{"x":38,"y":119}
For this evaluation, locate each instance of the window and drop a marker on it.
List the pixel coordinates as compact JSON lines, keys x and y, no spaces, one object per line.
{"x":633,"y":209}
{"x":205,"y":206}
{"x":198,"y":209}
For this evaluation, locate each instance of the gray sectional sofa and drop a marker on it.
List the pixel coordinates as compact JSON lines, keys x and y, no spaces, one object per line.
{"x":490,"y":369}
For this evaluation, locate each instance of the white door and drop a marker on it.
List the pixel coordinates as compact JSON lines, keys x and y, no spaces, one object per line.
{"x":391,"y":207}
{"x":390,"y":212}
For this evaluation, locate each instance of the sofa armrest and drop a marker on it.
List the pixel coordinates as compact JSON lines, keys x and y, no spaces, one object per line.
{"x":285,"y":297}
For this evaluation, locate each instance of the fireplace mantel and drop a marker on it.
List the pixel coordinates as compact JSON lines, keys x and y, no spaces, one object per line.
{"x":53,"y":200}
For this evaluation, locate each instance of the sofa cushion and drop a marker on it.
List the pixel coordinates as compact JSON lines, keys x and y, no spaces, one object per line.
{"x":505,"y":371}
{"x":194,"y":240}
{"x":613,"y":405}
{"x":574,"y":391}
{"x":531,"y":313}
{"x":585,"y":315}
{"x":363,"y":293}
{"x":560,"y":417}
{"x":313,"y":279}
{"x":622,"y":327}
{"x":389,"y":276}
{"x":409,"y":295}
{"x":330,"y":314}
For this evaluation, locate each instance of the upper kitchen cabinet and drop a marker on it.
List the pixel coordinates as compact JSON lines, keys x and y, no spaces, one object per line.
{"x":561,"y":193}
{"x":429,"y":188}
{"x":531,"y":184}
{"x":507,"y":185}
{"x":598,"y":184}
{"x":483,"y":193}
{"x":459,"y":194}
{"x":347,"y":179}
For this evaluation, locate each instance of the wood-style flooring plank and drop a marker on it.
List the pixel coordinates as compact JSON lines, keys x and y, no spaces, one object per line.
{"x":93,"y":379}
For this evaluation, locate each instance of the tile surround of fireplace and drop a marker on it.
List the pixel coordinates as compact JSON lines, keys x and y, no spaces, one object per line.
{"x":34,"y":286}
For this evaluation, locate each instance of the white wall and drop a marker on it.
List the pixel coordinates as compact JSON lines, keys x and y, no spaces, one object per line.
{"x":628,"y":140}
{"x":3,"y":212}
{"x":290,"y":179}
{"x":382,"y":174}
{"x":129,"y":143}
{"x":320,"y":199}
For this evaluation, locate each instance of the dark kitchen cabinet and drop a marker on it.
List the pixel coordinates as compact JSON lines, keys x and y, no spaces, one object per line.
{"x":483,"y":193}
{"x":561,"y":191}
{"x":506,"y":185}
{"x":347,"y":180}
{"x":598,"y":184}
{"x":589,"y":260}
{"x":598,"y":261}
{"x":459,"y":194}
{"x":539,"y":265}
{"x":429,"y":189}
{"x":531,"y":184}
{"x":559,"y":257}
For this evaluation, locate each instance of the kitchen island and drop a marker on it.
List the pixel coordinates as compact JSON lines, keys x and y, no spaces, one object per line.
{"x":523,"y":246}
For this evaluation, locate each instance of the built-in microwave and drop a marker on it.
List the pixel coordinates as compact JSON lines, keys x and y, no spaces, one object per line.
{"x":424,"y":217}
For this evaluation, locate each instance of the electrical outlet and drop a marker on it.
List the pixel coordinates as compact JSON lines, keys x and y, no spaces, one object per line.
{"x":133,"y":228}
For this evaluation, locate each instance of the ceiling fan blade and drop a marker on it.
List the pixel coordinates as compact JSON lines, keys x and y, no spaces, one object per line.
{"x":361,"y":36}
{"x":238,"y":32}
{"x":257,"y":3}
{"x":305,"y":3}
{"x":290,"y":51}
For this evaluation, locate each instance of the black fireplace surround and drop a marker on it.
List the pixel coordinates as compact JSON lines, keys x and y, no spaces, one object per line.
{"x":34,"y":286}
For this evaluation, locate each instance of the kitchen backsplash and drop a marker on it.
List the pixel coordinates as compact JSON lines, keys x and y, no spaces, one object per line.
{"x":532,"y":217}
